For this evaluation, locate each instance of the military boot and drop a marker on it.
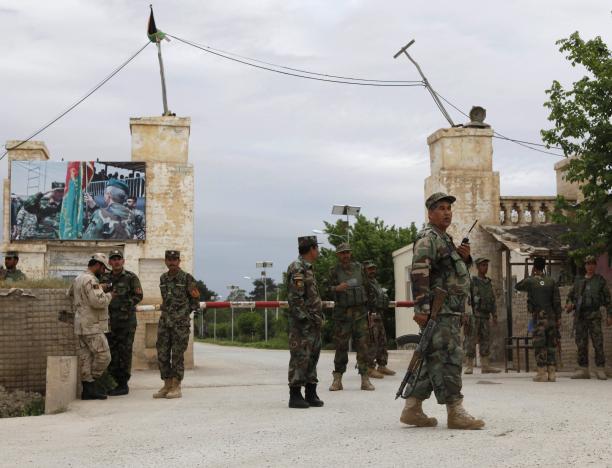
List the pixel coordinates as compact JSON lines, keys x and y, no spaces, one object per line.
{"x":366,"y":384}
{"x":487,"y":368}
{"x":372,"y":372}
{"x":459,"y":418}
{"x":311,"y":395}
{"x":90,"y":392}
{"x":413,"y":415}
{"x":469,"y":366}
{"x":296,"y":400}
{"x":581,"y":373}
{"x":337,"y":383}
{"x":121,"y":388}
{"x":175,"y":390}
{"x":385,"y":370}
{"x":600,"y":373}
{"x":541,"y":376}
{"x":552,"y":373}
{"x":162,"y":392}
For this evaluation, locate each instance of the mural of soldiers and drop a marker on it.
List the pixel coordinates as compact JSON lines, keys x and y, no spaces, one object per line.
{"x":122,"y":311}
{"x":544,"y":304}
{"x":484,"y":308}
{"x":114,"y":220}
{"x":10,"y":272}
{"x":139,"y":218}
{"x":305,"y":321}
{"x":586,"y":298}
{"x":47,"y":208}
{"x":25,"y":225}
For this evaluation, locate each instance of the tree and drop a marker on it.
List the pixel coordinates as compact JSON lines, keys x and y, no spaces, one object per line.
{"x":583,"y":128}
{"x":205,"y":293}
{"x":257,"y":294}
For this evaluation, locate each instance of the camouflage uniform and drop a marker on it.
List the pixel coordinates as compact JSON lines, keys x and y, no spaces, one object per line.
{"x":305,"y":320}
{"x":11,"y":274}
{"x":592,"y":293}
{"x":113,"y":222}
{"x":484,"y":307}
{"x":47,"y":212}
{"x":544,"y":305}
{"x":436,"y":263}
{"x":379,"y":304}
{"x":25,"y":225}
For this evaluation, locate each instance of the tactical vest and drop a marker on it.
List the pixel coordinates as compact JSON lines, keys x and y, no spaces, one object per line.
{"x":381,"y":301}
{"x":355,"y":294}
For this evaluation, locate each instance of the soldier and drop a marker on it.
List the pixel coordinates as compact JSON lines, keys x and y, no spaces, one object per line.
{"x":25,"y":227}
{"x":90,"y":300}
{"x":122,"y":311}
{"x":305,"y":320}
{"x":483,"y":308}
{"x":379,"y":304}
{"x":350,"y":287}
{"x":544,"y":304}
{"x":47,"y":208}
{"x":436,"y":262}
{"x":180,"y":296}
{"x":114,"y":221}
{"x":11,"y":273}
{"x":139,"y":218}
{"x":586,"y":298}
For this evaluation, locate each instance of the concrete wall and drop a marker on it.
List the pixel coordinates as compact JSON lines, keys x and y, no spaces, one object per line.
{"x":402,"y":262}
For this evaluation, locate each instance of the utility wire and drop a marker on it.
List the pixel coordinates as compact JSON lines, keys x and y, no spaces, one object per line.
{"x":93,"y":90}
{"x":376,"y":83}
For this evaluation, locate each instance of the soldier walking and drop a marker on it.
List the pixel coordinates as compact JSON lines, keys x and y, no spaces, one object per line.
{"x":305,"y":321}
{"x":589,"y":293}
{"x":122,"y":311}
{"x":90,"y":300}
{"x":11,"y":272}
{"x":544,"y":305}
{"x":379,"y":304}
{"x":436,"y":262}
{"x":483,"y":308}
{"x":180,"y":296}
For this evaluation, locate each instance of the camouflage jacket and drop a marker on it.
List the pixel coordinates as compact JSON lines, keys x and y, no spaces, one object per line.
{"x":128,"y":293}
{"x":594,"y":293}
{"x":543,"y":298}
{"x":11,"y":275}
{"x":113,"y":222}
{"x":180,"y":296}
{"x":47,"y":213}
{"x":484,"y":297}
{"x":303,"y":293}
{"x":90,"y":305}
{"x":379,"y":301}
{"x":359,"y":292}
{"x":436,"y":263}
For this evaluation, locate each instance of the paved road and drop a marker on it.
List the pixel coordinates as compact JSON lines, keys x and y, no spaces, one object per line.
{"x":234,"y":413}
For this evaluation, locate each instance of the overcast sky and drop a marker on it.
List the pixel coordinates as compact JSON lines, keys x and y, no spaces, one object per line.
{"x":273,"y":153}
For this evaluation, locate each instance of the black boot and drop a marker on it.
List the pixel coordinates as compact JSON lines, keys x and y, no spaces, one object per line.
{"x":311,"y":395}
{"x":296,"y":400}
{"x":121,"y":388}
{"x":90,"y":392}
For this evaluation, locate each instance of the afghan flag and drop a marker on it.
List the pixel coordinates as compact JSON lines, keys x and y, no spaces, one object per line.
{"x":155,"y":35}
{"x":78,"y":176}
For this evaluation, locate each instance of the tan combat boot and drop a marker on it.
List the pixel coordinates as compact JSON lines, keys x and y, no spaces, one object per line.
{"x":162,"y":392}
{"x":469,"y":366}
{"x":487,"y":368}
{"x":413,"y":415}
{"x":600,"y":372}
{"x":175,"y":391}
{"x":385,"y":370}
{"x":459,"y":418}
{"x":541,"y":376}
{"x":552,"y":373}
{"x":337,"y":383}
{"x":366,"y":384}
{"x":581,"y":373}
{"x":372,"y":372}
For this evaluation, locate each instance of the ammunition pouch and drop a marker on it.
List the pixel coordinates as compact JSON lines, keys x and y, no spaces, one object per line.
{"x":352,"y":297}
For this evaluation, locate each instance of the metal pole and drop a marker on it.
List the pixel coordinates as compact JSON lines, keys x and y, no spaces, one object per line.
{"x":509,"y":302}
{"x":215,"y":327}
{"x":263,"y":274}
{"x":163,"y":78}
{"x":232,"y":324}
{"x":348,"y":229}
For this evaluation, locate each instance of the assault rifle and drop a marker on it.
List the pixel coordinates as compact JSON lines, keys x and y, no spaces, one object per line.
{"x":416,"y":363}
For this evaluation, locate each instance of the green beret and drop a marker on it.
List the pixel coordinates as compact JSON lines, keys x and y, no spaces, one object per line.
{"x":119,"y":184}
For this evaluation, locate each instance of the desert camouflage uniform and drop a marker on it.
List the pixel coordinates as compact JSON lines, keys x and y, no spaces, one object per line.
{"x":378,"y":305}
{"x":113,"y":222}
{"x":305,"y":320}
{"x":436,"y":263}
{"x":484,"y":307}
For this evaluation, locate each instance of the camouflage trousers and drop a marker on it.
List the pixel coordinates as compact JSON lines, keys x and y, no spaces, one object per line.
{"x":478,"y":332}
{"x":304,"y":351}
{"x":351,"y":322}
{"x":378,"y":346}
{"x":441,"y":372}
{"x":172,"y":341}
{"x":545,"y":343}
{"x":590,"y":325}
{"x":120,"y":341}
{"x":94,"y":356}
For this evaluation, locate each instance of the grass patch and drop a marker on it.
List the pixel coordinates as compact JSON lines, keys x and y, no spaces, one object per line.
{"x":272,"y":343}
{"x":20,"y":403}
{"x":45,"y":283}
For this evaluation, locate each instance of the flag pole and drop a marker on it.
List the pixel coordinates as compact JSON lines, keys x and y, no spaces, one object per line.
{"x":155,"y":35}
{"x":163,"y":77}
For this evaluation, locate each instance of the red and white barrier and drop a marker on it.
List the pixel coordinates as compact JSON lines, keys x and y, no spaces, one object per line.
{"x":260,"y":305}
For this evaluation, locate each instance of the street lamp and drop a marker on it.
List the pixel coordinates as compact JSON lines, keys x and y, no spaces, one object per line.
{"x":263,"y":266}
{"x":232,"y":288}
{"x":346,"y":210}
{"x":318,"y":231}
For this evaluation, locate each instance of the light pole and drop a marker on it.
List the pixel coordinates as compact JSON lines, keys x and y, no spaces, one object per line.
{"x":263,"y":266}
{"x":318,"y":231}
{"x":346,"y":210}
{"x":232,"y":288}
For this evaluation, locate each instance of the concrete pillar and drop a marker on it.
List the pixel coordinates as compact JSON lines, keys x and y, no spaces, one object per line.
{"x":62,"y":383}
{"x":569,"y":190}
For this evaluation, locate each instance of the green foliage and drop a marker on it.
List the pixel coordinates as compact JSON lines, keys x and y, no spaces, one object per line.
{"x":280,"y":342}
{"x":205,"y":293}
{"x":257,"y":294}
{"x":20,"y":403}
{"x":250,"y":326}
{"x":583,"y":128}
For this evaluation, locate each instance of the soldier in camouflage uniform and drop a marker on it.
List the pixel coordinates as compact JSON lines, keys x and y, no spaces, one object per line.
{"x":436,"y":262}
{"x":378,"y":306}
{"x":180,"y":296}
{"x":351,"y":289}
{"x":478,"y":330}
{"x":26,"y":224}
{"x":114,"y":221}
{"x":47,"y":208}
{"x":139,"y":218}
{"x":305,"y":320}
{"x":544,"y":305}
{"x":588,"y":295}
{"x":11,"y":273}
{"x":122,"y":312}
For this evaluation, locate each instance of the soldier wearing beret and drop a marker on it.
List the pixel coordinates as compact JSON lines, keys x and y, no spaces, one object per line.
{"x":114,"y":220}
{"x":10,"y":272}
{"x":305,"y":321}
{"x":122,"y":311}
{"x":587,"y":297}
{"x":180,"y":296}
{"x":437,"y":262}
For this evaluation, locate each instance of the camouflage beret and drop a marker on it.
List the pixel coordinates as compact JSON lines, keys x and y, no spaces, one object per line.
{"x":344,"y":247}
{"x":58,"y":185}
{"x":369,"y":264}
{"x":438,"y":196}
{"x":173,"y":254}
{"x":115,"y":253}
{"x":119,"y":184}
{"x":481,"y":260}
{"x":590,"y":259}
{"x":11,"y":254}
{"x":308,"y":241}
